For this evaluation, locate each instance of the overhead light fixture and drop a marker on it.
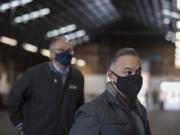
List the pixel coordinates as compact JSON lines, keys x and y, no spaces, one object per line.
{"x":45,"y":52}
{"x":81,"y":63}
{"x":30,"y":47}
{"x":18,"y":19}
{"x":77,"y":37}
{"x":171,"y":13}
{"x":49,"y":34}
{"x":166,"y":21}
{"x":74,"y":60}
{"x":25,"y":18}
{"x":25,"y":1}
{"x":32,"y":15}
{"x":70,"y":36}
{"x":70,"y":28}
{"x":55,"y":33}
{"x":13,"y":4}
{"x":77,"y":34}
{"x":80,"y":33}
{"x":8,"y":41}
{"x":171,"y":36}
{"x":61,"y":30}
{"x":5,"y":7}
{"x":43,"y":12}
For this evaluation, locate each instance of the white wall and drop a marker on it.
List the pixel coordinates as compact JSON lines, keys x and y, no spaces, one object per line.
{"x":95,"y":84}
{"x":155,"y":81}
{"x":4,"y":85}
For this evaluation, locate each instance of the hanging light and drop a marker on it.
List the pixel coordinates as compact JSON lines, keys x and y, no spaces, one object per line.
{"x":13,"y":4}
{"x":45,"y":52}
{"x":8,"y":41}
{"x":30,"y":47}
{"x":61,"y":30}
{"x":32,"y":15}
{"x":81,"y":63}
{"x":74,"y":60}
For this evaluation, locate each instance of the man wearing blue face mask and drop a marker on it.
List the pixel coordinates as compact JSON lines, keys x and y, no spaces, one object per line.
{"x":45,"y":99}
{"x":117,"y":111}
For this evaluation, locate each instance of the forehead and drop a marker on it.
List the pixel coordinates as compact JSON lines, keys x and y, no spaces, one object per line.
{"x":62,"y":43}
{"x":129,"y":61}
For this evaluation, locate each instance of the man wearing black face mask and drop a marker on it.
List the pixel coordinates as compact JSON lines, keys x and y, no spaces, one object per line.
{"x":117,"y":111}
{"x":45,"y":99}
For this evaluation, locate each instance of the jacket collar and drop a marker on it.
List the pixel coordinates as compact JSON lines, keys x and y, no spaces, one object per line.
{"x":52,"y":68}
{"x":116,"y":99}
{"x":55,"y":70}
{"x":113,"y":96}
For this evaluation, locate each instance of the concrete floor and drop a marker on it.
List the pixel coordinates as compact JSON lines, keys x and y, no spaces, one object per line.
{"x":5,"y":126}
{"x":161,"y":122}
{"x":164,"y":122}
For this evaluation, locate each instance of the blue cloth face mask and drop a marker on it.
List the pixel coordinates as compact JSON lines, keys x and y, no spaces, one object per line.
{"x":64,"y":58}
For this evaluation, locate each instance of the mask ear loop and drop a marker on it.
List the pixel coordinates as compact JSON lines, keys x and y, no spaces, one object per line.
{"x":115,"y":75}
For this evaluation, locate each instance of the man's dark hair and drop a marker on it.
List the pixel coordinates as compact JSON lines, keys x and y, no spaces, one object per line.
{"x":121,"y":52}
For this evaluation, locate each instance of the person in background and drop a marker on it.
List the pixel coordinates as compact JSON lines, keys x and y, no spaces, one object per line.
{"x":117,"y":111}
{"x":45,"y":99}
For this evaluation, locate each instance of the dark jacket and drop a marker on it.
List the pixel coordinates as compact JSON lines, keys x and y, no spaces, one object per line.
{"x":108,"y":114}
{"x":42,"y":103}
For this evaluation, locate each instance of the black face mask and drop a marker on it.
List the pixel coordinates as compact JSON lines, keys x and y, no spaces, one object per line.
{"x":130,"y":85}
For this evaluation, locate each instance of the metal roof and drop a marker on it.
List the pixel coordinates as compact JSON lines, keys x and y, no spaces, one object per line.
{"x":95,"y":17}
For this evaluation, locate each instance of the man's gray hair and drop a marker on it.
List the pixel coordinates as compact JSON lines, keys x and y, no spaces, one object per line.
{"x":121,"y":52}
{"x":51,"y":46}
